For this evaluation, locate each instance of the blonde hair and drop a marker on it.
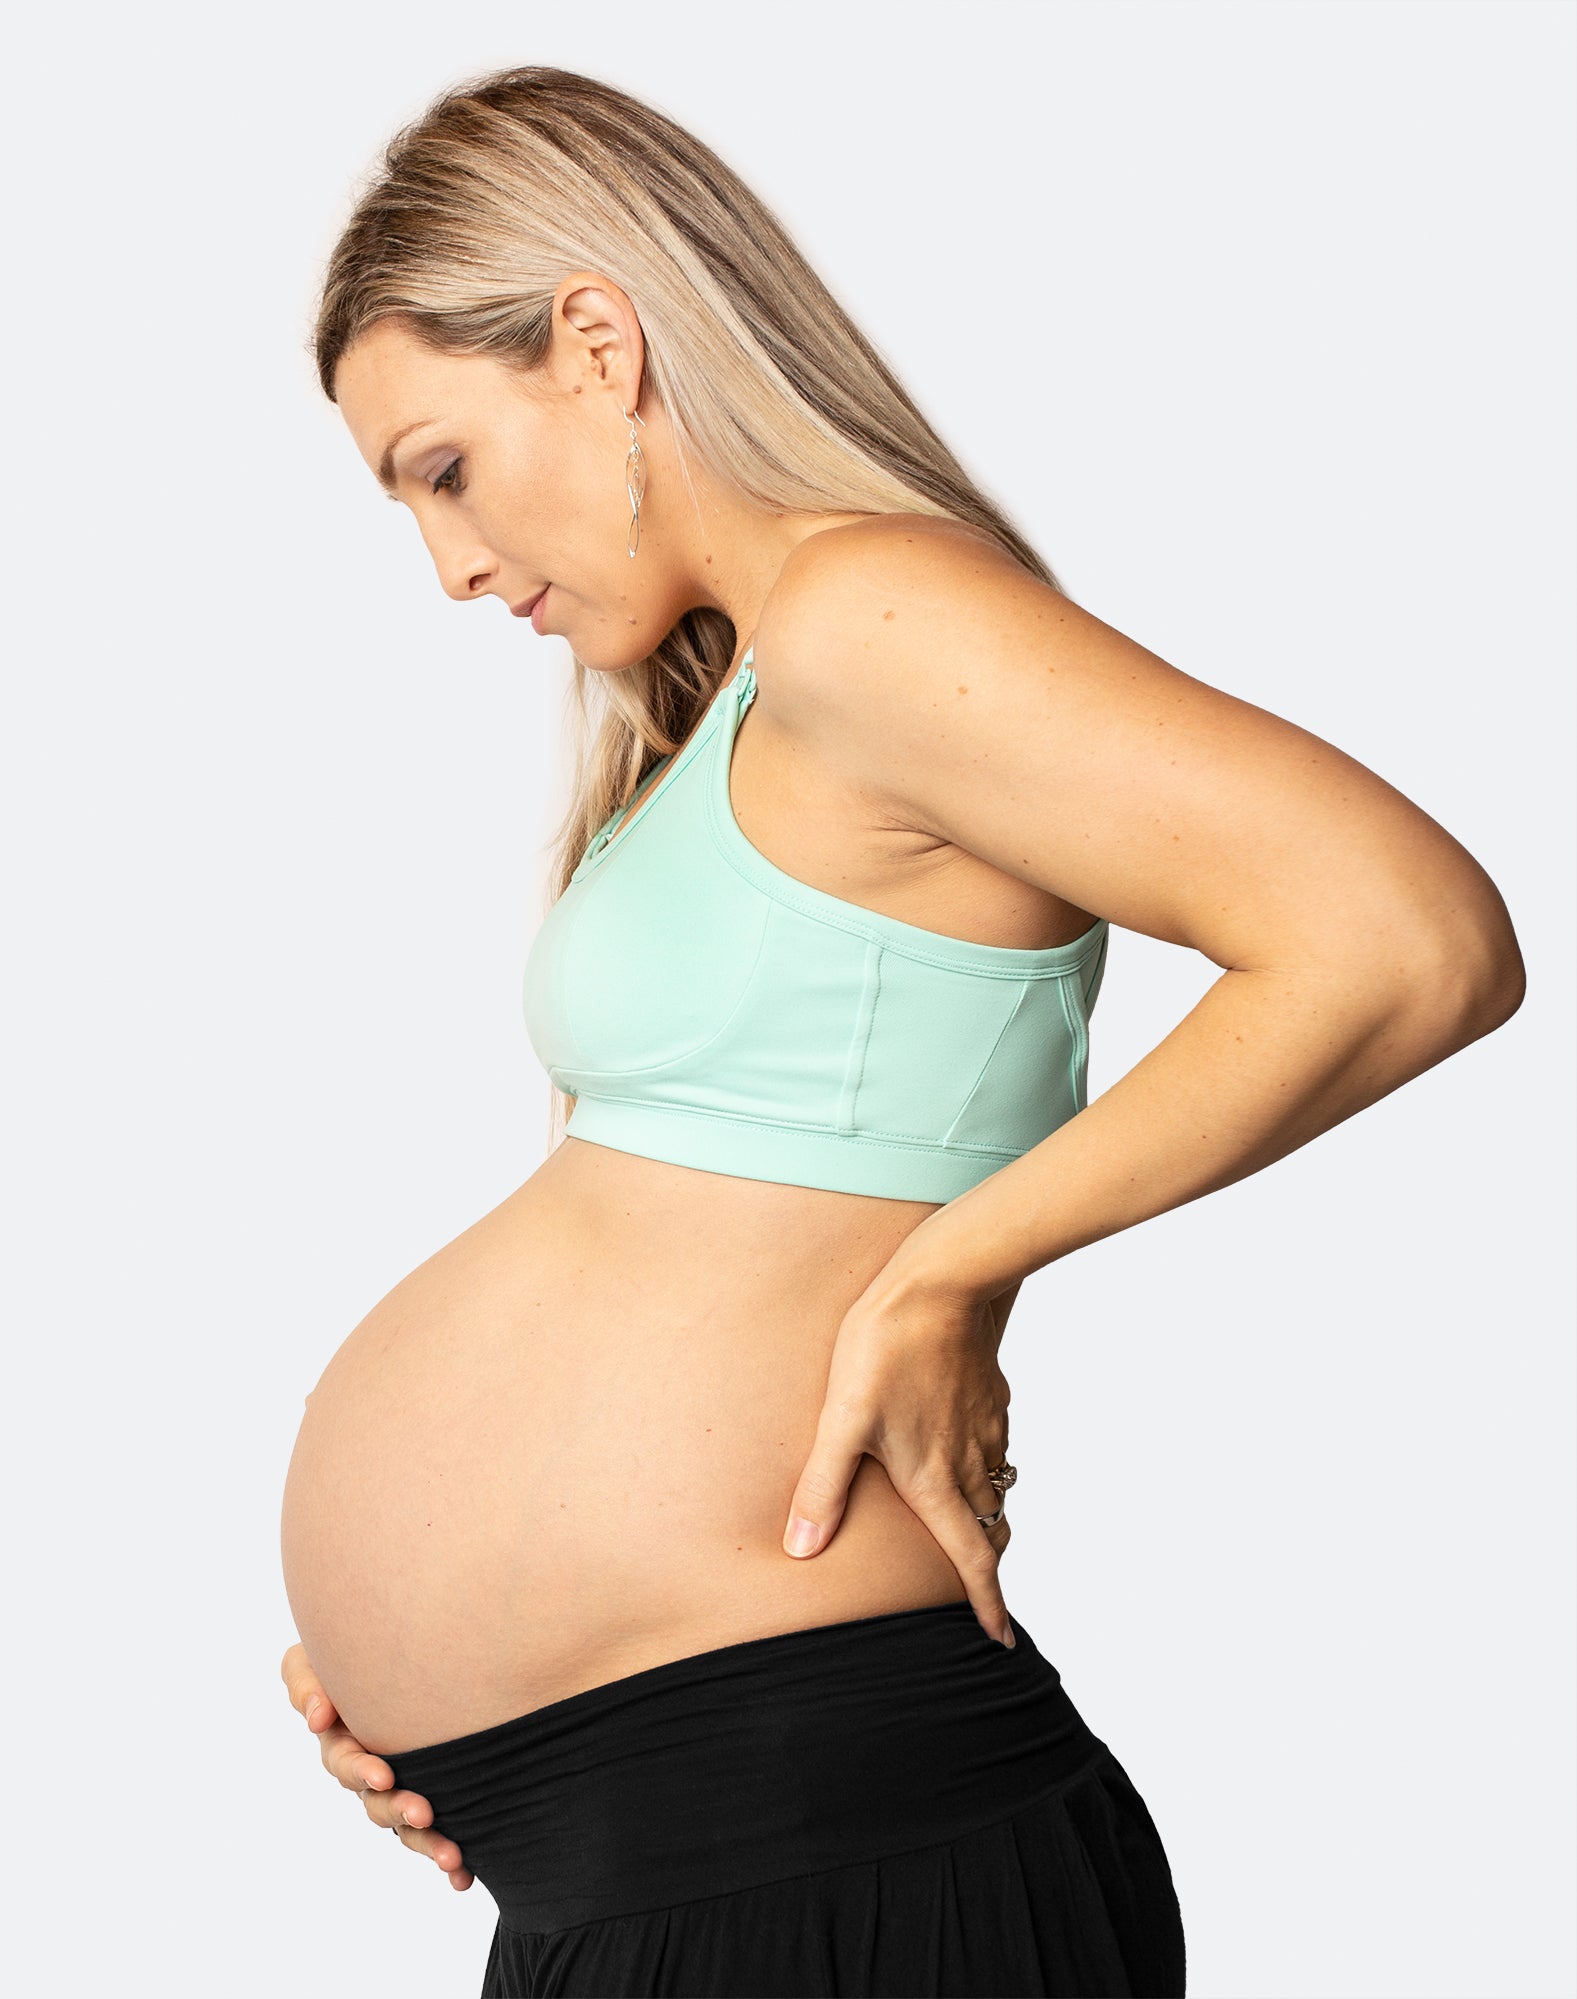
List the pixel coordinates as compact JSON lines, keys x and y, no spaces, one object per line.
{"x":510,"y":181}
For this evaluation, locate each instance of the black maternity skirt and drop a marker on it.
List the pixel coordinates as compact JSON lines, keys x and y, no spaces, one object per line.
{"x":890,"y":1805}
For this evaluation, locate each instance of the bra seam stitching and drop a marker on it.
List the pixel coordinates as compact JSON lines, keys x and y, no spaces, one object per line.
{"x":864,"y":1022}
{"x":1078,"y":1049}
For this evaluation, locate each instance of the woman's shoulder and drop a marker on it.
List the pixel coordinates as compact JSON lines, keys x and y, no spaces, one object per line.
{"x":872,"y":580}
{"x":901,"y":530}
{"x":883,"y":552}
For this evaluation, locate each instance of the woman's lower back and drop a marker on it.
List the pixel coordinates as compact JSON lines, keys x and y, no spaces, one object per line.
{"x":563,"y":1449}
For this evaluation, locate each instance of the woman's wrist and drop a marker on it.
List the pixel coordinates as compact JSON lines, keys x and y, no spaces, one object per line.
{"x":943,"y":1259}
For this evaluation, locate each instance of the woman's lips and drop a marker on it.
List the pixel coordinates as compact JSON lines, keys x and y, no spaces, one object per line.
{"x":527,"y":606}
{"x":536,"y":610}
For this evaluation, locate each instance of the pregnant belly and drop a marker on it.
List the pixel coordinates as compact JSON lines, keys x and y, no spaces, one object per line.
{"x":563,"y":1449}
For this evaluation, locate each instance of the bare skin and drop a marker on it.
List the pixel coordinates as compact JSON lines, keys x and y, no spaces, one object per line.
{"x":604,"y":1266}
{"x":570,"y":1445}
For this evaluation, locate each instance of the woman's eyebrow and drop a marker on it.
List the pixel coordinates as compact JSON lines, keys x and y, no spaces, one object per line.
{"x":386,"y":462}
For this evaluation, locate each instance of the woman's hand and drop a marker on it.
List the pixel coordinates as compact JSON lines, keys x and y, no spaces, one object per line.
{"x":368,"y":1775}
{"x":914,"y":1382}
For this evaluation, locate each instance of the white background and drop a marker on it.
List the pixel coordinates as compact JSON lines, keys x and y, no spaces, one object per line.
{"x":1258,"y":319}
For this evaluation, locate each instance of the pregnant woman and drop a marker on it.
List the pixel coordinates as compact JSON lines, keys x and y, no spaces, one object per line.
{"x":643,"y":1543}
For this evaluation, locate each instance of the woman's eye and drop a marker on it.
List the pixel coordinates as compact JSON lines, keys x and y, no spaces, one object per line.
{"x":439,"y":485}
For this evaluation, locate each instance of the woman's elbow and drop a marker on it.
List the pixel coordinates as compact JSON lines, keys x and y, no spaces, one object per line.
{"x":1469,"y":977}
{"x":1503,"y":979}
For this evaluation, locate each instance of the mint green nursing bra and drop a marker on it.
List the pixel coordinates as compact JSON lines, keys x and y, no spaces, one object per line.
{"x":707,"y":1009}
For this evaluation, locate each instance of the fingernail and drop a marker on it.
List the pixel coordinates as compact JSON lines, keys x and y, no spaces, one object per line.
{"x":1007,"y":1635}
{"x":312,"y":1708}
{"x":801,"y":1537}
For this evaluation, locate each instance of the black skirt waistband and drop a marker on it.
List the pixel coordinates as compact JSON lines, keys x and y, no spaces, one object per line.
{"x":778,"y":1756}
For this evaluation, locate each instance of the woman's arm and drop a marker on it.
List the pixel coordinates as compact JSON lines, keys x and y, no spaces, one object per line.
{"x":1262,"y":1064}
{"x":1361,"y":944}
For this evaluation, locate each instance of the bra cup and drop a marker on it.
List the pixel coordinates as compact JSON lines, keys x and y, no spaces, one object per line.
{"x":542,"y":984}
{"x":694,"y":936}
{"x":708,"y":1009}
{"x":789,"y":1055}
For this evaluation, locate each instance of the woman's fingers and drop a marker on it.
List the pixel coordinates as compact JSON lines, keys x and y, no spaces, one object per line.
{"x":306,"y":1693}
{"x":337,"y":1746}
{"x":356,"y":1768}
{"x":412,"y":1818}
{"x":369,"y":1776}
{"x":405,"y":1812}
{"x":823,"y":1490}
{"x":973,"y":1550}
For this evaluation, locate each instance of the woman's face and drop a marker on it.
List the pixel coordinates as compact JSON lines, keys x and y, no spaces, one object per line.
{"x":519,"y":482}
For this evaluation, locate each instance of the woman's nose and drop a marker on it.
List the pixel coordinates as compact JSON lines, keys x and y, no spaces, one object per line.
{"x":465,"y":569}
{"x":466,"y":576}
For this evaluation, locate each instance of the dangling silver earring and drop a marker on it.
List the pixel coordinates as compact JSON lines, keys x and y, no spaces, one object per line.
{"x":634,"y":479}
